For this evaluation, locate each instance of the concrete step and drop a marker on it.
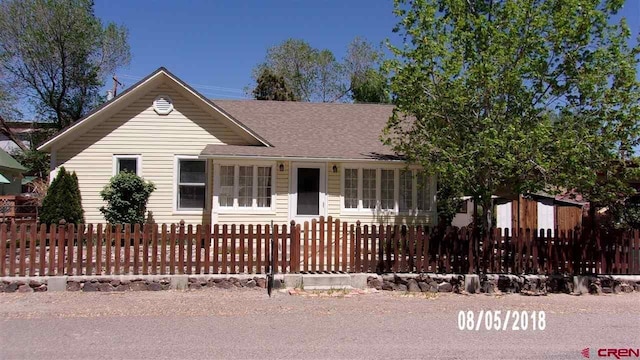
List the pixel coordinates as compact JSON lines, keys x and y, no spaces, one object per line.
{"x":326,"y":281}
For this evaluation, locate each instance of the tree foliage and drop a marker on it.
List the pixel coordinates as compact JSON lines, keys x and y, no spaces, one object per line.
{"x":270,"y":86}
{"x":517,"y":95}
{"x":59,"y":52}
{"x":316,"y":75}
{"x":36,"y":162}
{"x":126,"y":195}
{"x":63,"y":200}
{"x":372,"y":88}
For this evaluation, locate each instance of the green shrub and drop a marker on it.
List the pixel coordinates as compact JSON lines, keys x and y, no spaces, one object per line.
{"x":63,"y":200}
{"x":126,"y":195}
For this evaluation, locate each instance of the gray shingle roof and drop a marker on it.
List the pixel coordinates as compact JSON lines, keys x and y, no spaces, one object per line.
{"x":309,"y":130}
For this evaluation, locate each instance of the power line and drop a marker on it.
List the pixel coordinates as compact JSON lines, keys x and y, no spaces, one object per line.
{"x":197,"y":86}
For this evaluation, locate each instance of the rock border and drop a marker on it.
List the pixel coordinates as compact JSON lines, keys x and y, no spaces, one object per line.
{"x":497,"y":284}
{"x":532,"y":285}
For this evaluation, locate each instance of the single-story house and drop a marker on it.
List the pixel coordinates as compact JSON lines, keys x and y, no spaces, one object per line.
{"x":243,"y":161}
{"x":533,"y":211}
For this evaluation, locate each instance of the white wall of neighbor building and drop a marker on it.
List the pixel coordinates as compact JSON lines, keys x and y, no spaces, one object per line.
{"x":464,"y":219}
{"x":546,"y":218}
{"x":504,"y":216}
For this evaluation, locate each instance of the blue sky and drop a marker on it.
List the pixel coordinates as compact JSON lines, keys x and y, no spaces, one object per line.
{"x":214,"y":45}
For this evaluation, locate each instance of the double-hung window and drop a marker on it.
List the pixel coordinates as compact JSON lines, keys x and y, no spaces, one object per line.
{"x":399,"y":190}
{"x":191,"y":184}
{"x":244,"y":186}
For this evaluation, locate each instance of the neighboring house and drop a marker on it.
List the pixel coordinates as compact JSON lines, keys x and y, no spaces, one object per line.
{"x":10,"y":174}
{"x":24,"y":132}
{"x":243,"y":161}
{"x":535,"y":211}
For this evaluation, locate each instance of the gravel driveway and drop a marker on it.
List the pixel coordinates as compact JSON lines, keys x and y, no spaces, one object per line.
{"x":244,"y":324}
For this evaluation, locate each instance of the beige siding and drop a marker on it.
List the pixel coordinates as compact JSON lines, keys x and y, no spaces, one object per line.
{"x":139,"y":130}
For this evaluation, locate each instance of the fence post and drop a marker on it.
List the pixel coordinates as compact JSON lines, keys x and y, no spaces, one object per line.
{"x":293,"y":248}
{"x":357,"y":251}
{"x":3,"y":248}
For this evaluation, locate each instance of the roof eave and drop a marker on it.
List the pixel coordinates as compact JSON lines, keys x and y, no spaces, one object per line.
{"x":296,"y":158}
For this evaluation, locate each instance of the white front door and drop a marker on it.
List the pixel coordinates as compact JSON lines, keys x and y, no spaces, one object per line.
{"x":308,"y":191}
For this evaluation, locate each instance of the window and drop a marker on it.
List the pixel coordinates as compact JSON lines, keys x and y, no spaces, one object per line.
{"x":245,"y":189}
{"x":406,"y":191}
{"x":424,"y":192}
{"x":244,"y":186}
{"x":191,"y":184}
{"x":369,"y":188}
{"x":387,"y":200}
{"x":131,"y":163}
{"x":398,"y":190}
{"x":351,"y":188}
{"x":264,"y":186}
{"x":225,"y":196}
{"x":464,"y":205}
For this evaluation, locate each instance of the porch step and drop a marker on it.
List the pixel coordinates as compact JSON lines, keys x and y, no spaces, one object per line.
{"x":326,"y":281}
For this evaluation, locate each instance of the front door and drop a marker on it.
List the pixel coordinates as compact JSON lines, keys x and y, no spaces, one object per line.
{"x":308,"y":190}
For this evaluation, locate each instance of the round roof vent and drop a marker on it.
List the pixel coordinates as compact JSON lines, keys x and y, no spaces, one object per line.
{"x":163,"y":105}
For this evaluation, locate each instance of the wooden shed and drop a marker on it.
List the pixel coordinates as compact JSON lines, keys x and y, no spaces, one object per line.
{"x":538,"y":211}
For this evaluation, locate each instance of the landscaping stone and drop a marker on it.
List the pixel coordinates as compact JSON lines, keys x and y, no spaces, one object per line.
{"x":105,"y":287}
{"x":73,"y":286}
{"x":25,"y":289}
{"x":445,"y":287}
{"x":11,"y":287}
{"x":626,"y":288}
{"x":34,"y":283}
{"x":90,"y":287}
{"x":41,"y":288}
{"x":398,"y":280}
{"x":115,"y":283}
{"x":388,"y":285}
{"x":122,"y":287}
{"x":374,"y":282}
{"x":250,"y":284}
{"x":424,"y":287}
{"x":138,"y":286}
{"x":412,"y":285}
{"x":154,"y":286}
{"x":261,"y":282}
{"x":195,"y":286}
{"x":595,"y":288}
{"x":401,"y":287}
{"x":224,"y":285}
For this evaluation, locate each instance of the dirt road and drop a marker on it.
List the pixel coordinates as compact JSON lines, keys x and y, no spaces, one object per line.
{"x":247,"y":324}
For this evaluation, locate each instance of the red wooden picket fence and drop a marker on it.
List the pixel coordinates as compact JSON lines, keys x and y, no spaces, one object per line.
{"x":327,"y":245}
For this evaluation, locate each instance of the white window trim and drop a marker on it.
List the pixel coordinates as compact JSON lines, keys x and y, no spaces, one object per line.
{"x":378,"y":210}
{"x":235,"y":209}
{"x":176,"y":181}
{"x":117,"y":157}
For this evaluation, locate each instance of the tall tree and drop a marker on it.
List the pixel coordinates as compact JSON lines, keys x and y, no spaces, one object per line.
{"x":60,"y":53}
{"x":316,"y":75}
{"x":367,"y":82}
{"x":373,"y":87}
{"x":479,"y":85}
{"x":296,"y":61}
{"x":270,"y":86}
